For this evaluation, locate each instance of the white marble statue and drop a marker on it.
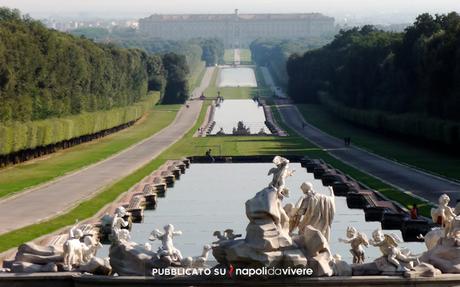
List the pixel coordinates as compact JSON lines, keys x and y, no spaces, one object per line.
{"x":457,"y":207}
{"x":148,"y":246}
{"x":388,"y":245}
{"x":280,"y":173}
{"x":128,"y":258}
{"x":444,"y":214}
{"x":198,"y":261}
{"x":77,"y":253}
{"x":167,"y":248}
{"x":73,"y":251}
{"x":75,"y":232}
{"x":89,"y":248}
{"x":449,"y":223}
{"x":119,"y":222}
{"x":314,"y":209}
{"x":282,"y":219}
{"x":268,"y":222}
{"x":268,"y":241}
{"x":357,"y":240}
{"x":455,"y":229}
{"x":123,"y":235}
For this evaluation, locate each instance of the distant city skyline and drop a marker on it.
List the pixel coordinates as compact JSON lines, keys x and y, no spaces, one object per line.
{"x":390,"y":11}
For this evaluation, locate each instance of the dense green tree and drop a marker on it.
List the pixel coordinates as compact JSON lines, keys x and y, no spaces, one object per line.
{"x":177,"y":71}
{"x":274,"y":53}
{"x":379,"y":76}
{"x":46,"y":73}
{"x":210,"y":50}
{"x":92,"y":33}
{"x":213,"y":51}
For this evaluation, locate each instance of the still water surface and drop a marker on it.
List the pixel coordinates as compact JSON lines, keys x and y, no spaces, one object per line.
{"x":212,"y":197}
{"x":236,"y":77}
{"x":229,"y":112}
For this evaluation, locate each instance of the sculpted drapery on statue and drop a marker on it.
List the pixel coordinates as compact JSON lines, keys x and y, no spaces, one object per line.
{"x":314,"y":209}
{"x":268,"y":241}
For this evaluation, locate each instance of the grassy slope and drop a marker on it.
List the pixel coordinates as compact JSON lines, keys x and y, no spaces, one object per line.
{"x":389,"y":147}
{"x":19,"y":177}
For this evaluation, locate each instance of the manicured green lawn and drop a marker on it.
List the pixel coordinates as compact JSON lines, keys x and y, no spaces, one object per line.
{"x":233,"y":145}
{"x":19,"y":177}
{"x":435,"y":161}
{"x":232,"y":93}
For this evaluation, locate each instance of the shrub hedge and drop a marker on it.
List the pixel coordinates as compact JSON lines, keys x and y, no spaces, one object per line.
{"x":414,"y":125}
{"x":16,"y":136}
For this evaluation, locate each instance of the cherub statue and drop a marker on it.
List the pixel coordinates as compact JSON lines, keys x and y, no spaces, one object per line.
{"x":388,"y":244}
{"x":123,"y":235}
{"x":118,"y":221}
{"x":72,"y":248}
{"x":357,"y":240}
{"x":280,"y":173}
{"x":167,"y":248}
{"x":90,"y":247}
{"x":198,"y":261}
{"x":75,"y":232}
{"x":443,"y":214}
{"x":148,"y":246}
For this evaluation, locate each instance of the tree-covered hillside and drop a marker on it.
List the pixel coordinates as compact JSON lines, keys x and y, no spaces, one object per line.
{"x":58,"y":90}
{"x":45,"y":73}
{"x":274,"y":53}
{"x":210,"y":50}
{"x":407,"y":82}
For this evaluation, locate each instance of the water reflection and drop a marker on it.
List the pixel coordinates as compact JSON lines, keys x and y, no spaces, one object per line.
{"x":229,"y":112}
{"x":212,"y":197}
{"x":237,"y":77}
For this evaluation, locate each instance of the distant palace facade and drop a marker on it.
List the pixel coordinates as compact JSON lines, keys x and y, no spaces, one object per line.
{"x":237,"y":29}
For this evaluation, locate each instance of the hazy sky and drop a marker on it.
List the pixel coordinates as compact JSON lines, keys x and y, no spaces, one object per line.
{"x":138,"y":8}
